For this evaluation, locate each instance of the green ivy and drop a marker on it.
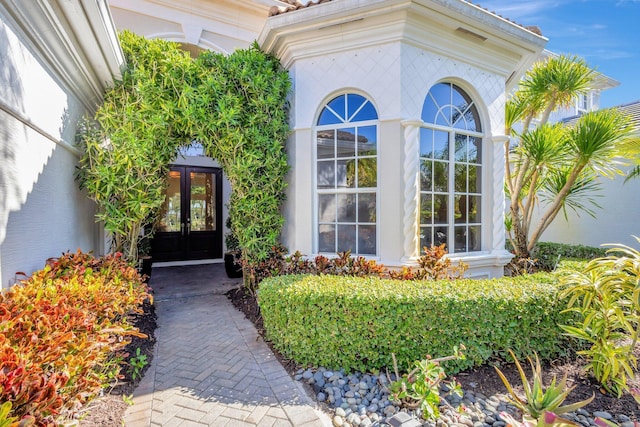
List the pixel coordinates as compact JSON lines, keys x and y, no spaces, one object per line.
{"x":234,"y":105}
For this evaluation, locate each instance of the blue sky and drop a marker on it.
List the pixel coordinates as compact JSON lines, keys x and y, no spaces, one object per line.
{"x":606,"y":33}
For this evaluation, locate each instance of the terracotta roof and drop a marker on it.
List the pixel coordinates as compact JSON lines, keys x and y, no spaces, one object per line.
{"x":632,"y":109}
{"x":301,"y":4}
{"x":294,"y":5}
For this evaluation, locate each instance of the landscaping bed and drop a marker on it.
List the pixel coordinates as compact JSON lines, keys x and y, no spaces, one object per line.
{"x":483,"y":379}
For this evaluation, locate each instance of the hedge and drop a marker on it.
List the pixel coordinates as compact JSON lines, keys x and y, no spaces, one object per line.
{"x":547,"y":254}
{"x":357,"y":323}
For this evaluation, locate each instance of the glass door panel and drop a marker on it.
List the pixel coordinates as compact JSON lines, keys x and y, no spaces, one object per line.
{"x":171,"y":217}
{"x":203,"y":202}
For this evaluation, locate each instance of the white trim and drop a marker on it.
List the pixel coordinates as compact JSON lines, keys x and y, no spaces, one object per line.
{"x":76,"y":39}
{"x":29,"y":123}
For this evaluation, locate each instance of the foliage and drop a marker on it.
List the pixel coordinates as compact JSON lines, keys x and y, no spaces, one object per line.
{"x":432,"y":265}
{"x":549,"y":254}
{"x":557,"y":164}
{"x":8,"y":421}
{"x":245,"y":129}
{"x":421,"y":386}
{"x":606,"y":296}
{"x":137,"y":364}
{"x":128,"y":145}
{"x":538,"y":401}
{"x":59,"y":329}
{"x":356,"y":323}
{"x":235,"y":106}
{"x":548,"y":419}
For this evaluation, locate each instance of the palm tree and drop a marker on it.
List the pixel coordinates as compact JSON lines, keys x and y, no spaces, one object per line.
{"x":557,"y":163}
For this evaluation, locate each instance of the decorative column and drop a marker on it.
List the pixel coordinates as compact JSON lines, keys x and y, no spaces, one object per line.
{"x":411,"y":165}
{"x":498,"y":201}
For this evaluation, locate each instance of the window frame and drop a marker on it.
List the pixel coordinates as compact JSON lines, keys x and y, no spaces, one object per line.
{"x":356,"y":190}
{"x":451,"y":192}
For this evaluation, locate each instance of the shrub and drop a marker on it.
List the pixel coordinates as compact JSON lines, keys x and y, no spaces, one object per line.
{"x":547,"y":254}
{"x":606,"y":297}
{"x":357,"y":323}
{"x":59,"y":330}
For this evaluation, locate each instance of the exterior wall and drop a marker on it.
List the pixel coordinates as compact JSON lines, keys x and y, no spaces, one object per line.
{"x":615,"y":222}
{"x":396,"y":78}
{"x":42,"y":213}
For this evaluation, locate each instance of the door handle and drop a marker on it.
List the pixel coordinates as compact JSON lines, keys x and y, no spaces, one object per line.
{"x":182,"y":229}
{"x":188,"y":226}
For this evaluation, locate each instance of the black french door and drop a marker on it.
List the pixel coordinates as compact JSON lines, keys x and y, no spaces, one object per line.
{"x":190,"y":225}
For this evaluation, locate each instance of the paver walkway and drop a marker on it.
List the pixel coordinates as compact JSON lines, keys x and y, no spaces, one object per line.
{"x":210,"y":366}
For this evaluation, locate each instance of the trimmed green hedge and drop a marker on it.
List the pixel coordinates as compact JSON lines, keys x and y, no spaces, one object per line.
{"x":356,"y":323}
{"x":547,"y":254}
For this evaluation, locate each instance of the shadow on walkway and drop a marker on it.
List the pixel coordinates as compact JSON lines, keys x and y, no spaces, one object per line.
{"x":210,"y":366}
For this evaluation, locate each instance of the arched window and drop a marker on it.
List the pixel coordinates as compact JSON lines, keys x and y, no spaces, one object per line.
{"x":347,"y":176}
{"x":450,"y":170}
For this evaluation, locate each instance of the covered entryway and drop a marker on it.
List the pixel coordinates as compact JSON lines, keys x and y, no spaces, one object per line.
{"x":190,"y":225}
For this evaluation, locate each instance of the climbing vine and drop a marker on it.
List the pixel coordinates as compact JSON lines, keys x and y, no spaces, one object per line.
{"x":235,"y":106}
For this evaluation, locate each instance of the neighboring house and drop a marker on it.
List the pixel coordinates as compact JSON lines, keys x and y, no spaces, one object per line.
{"x":397,"y":117}
{"x":56,"y":60}
{"x":616,"y":221}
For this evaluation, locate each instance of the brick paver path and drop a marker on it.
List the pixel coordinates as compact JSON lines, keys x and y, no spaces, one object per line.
{"x":211,"y":368}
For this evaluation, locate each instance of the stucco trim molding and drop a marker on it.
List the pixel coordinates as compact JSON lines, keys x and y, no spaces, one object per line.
{"x":411,"y":195}
{"x":76,"y":39}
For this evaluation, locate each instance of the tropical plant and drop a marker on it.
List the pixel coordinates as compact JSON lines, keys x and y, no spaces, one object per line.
{"x":553,"y":163}
{"x":235,"y":106}
{"x":421,"y":386}
{"x":137,"y":364}
{"x":538,"y":401}
{"x":606,"y":297}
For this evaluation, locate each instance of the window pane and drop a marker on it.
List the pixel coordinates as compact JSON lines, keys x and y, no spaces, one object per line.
{"x":354,"y":102}
{"x":475,"y":150}
{"x":325,"y":144}
{"x":461,"y":178}
{"x":346,"y":207}
{"x":346,"y":173}
{"x":327,"y":117}
{"x":426,"y":208}
{"x":346,"y":143}
{"x":443,"y":118}
{"x":440,"y":236}
{"x":426,"y":142}
{"x":367,"y":207}
{"x":461,"y":148}
{"x":346,"y":238}
{"x":171,"y":210}
{"x":367,"y":173}
{"x":440,"y":176}
{"x":441,"y":145}
{"x":202,"y":203}
{"x":460,"y":206}
{"x":474,"y":209}
{"x":326,"y":238}
{"x":368,"y":112}
{"x":426,"y":175}
{"x":474,"y":179}
{"x":458,"y":118}
{"x":326,"y":174}
{"x":461,"y":239}
{"x":367,"y":239}
{"x":459,"y":99}
{"x":440,"y":209}
{"x":475,"y":238}
{"x":337,"y":104}
{"x":367,"y":141}
{"x":426,"y":238}
{"x":327,"y":208}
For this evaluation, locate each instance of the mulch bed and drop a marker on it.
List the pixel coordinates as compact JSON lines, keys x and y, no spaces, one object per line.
{"x":108,"y":411}
{"x":484,"y":379}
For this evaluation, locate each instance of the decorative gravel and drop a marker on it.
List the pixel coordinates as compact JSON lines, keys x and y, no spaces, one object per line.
{"x":363,"y":400}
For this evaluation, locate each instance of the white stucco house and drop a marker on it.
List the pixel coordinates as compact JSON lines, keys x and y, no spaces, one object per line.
{"x":397,"y":118}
